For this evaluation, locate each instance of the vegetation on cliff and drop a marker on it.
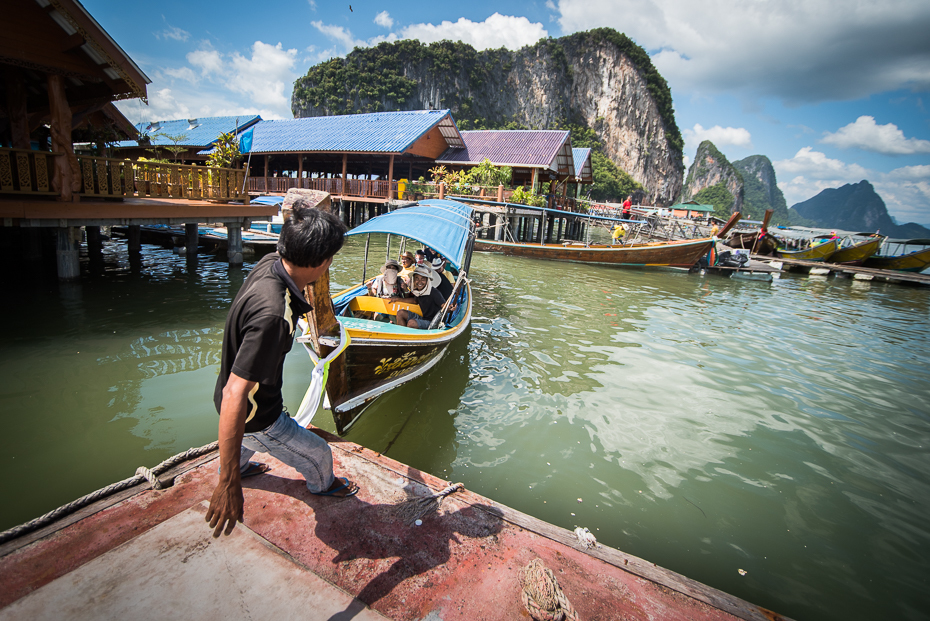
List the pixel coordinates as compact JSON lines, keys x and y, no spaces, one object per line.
{"x":718,"y":196}
{"x":379,"y":78}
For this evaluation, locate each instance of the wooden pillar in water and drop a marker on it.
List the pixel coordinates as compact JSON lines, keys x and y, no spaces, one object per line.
{"x":234,"y":243}
{"x":134,"y":238}
{"x":66,"y":254}
{"x":191,"y":237}
{"x":267,"y":188}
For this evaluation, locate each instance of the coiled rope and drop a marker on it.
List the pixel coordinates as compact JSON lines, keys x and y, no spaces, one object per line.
{"x":142,"y":474}
{"x":543,"y":598}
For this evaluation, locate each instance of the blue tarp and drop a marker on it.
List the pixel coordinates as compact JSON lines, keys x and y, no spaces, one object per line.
{"x":442,"y":225}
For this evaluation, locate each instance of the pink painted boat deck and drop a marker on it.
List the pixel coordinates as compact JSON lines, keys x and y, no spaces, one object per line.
{"x":462,"y":563}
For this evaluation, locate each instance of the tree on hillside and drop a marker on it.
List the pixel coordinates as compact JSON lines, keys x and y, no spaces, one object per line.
{"x":719,"y":197}
{"x":610,"y":182}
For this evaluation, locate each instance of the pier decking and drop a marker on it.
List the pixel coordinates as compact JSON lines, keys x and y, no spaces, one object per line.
{"x":463,"y":562}
{"x":847,"y":271}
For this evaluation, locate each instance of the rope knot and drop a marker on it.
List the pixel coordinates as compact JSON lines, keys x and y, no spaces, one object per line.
{"x":153,"y":479}
{"x":542,"y":596}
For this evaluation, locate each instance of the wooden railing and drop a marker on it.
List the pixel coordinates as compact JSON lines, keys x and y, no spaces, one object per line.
{"x":361,"y":188}
{"x":108,"y":177}
{"x":28,"y":172}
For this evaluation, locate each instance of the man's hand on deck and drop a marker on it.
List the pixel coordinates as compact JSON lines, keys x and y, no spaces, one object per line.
{"x":225,"y":508}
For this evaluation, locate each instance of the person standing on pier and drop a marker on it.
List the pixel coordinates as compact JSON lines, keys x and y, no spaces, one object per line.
{"x":259,"y":333}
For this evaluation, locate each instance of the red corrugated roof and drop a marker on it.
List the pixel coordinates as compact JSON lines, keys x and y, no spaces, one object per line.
{"x":549,"y":149}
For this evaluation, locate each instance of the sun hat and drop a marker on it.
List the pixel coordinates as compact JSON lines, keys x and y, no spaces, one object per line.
{"x":432,"y":276}
{"x":391,"y":263}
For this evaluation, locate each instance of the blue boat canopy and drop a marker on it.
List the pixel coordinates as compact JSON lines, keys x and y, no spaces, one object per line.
{"x":442,"y":225}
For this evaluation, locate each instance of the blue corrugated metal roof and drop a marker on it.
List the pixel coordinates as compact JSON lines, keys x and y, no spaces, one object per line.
{"x":377,"y":132}
{"x":197,"y":132}
{"x":443,"y":225}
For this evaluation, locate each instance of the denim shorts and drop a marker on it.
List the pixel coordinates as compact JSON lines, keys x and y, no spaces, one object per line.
{"x":299,"y":448}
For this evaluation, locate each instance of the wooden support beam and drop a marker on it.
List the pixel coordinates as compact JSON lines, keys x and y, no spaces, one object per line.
{"x":391,"y":178}
{"x":345,"y":179}
{"x":66,"y":175}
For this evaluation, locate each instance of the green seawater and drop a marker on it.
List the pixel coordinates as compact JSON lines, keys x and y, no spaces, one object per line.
{"x":706,"y":425}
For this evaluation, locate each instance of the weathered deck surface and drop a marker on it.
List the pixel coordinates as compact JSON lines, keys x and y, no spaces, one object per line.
{"x":461,"y":563}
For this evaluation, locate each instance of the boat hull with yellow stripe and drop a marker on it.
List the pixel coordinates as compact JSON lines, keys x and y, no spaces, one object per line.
{"x":381,"y":355}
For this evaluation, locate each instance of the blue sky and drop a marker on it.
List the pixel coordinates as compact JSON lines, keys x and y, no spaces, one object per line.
{"x":832,"y":91}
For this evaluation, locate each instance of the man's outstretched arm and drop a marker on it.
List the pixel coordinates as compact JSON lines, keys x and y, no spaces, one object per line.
{"x":226,"y":504}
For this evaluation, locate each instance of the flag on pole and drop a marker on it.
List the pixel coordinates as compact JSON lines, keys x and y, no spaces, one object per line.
{"x":245,"y":142}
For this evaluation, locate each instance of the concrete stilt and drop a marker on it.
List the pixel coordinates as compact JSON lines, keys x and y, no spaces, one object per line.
{"x":234,"y":243}
{"x":69,"y":267}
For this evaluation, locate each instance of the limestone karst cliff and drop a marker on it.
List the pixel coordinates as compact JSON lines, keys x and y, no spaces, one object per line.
{"x":713,"y":179}
{"x":760,"y":189}
{"x":598,"y":79}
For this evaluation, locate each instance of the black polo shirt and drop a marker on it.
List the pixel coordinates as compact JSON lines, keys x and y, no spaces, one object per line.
{"x":259,"y":333}
{"x":431,"y":304}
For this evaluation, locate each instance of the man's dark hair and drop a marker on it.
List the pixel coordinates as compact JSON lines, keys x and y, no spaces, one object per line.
{"x":310,"y":236}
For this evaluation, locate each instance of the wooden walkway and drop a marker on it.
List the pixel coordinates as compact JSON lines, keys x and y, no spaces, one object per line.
{"x":847,"y":271}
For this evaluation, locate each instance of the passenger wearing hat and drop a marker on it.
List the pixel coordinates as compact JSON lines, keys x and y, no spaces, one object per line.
{"x":445,"y":285}
{"x":408,"y":261}
{"x":388,"y":285}
{"x":424,"y":289}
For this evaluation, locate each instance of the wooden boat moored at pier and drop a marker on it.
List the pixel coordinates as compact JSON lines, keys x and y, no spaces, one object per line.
{"x":382,"y":356}
{"x":820,"y":252}
{"x":916,"y":261}
{"x":857,"y":253}
{"x":680,"y":253}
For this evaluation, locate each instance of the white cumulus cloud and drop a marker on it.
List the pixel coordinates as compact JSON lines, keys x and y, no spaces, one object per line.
{"x":795,"y":51}
{"x":867,"y":135}
{"x":496,"y":31}
{"x":384,"y":20}
{"x":207,"y":60}
{"x":267,"y":76}
{"x":720,"y":136}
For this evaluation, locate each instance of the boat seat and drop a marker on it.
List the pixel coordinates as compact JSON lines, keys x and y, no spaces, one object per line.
{"x":368,"y":303}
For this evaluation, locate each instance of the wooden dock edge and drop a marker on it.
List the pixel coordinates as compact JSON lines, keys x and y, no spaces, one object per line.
{"x":641,"y":568}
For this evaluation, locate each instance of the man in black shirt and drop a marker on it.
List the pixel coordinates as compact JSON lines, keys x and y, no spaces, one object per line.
{"x":423,"y":286}
{"x":259,"y":333}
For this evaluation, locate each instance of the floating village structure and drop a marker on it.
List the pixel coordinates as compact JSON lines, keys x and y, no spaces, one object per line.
{"x":61,"y":72}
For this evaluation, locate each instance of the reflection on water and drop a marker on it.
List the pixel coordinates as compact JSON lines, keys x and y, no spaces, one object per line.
{"x":703,"y":424}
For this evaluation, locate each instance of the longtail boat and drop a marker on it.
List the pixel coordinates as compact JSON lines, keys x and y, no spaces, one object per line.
{"x":857,"y":253}
{"x":916,"y":261}
{"x":818,"y":252}
{"x":382,"y":356}
{"x":681,"y":253}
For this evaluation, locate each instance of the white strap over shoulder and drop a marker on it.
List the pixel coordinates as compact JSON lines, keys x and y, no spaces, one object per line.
{"x":311,"y":400}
